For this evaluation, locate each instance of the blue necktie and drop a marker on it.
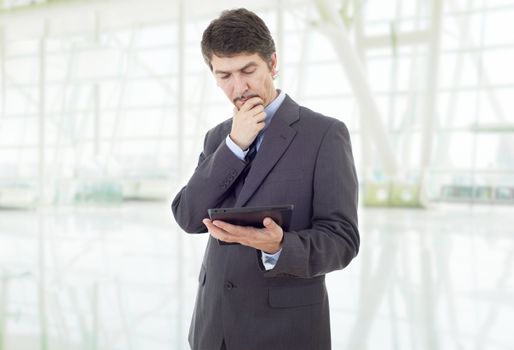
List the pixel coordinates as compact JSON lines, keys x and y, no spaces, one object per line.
{"x":250,"y":155}
{"x":252,"y":151}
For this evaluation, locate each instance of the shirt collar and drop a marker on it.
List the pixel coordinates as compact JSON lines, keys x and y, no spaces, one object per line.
{"x":272,"y":108}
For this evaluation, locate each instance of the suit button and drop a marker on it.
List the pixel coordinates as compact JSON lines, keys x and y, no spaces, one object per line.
{"x":229,"y":285}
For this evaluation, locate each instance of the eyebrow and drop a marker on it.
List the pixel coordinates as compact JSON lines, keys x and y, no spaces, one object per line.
{"x":248,"y":65}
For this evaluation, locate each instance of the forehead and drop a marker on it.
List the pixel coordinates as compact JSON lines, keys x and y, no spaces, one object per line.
{"x":235,"y":62}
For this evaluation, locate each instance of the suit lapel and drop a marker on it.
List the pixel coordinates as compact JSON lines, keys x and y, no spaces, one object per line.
{"x":277,"y":138}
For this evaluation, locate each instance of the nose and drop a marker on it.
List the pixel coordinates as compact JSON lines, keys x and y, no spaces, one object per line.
{"x":240,"y":85}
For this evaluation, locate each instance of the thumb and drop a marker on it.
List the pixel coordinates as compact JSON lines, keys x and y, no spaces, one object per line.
{"x":269,"y":223}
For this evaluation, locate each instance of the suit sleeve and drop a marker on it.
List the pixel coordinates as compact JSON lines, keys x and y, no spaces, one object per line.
{"x":216,"y":172}
{"x":333,"y":240}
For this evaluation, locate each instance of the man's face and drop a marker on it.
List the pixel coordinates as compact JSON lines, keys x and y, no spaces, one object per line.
{"x":244,"y":76}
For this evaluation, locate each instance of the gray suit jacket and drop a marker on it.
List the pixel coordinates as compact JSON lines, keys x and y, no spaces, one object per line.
{"x":305,"y":159}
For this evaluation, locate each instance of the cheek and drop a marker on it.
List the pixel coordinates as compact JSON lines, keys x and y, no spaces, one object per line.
{"x":267,"y":84}
{"x":261,"y":84}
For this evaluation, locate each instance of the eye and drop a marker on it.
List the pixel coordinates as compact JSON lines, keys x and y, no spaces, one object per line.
{"x":249,"y":71}
{"x":225,"y":76}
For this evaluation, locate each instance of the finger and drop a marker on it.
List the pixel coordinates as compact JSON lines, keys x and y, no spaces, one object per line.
{"x":257,"y":109}
{"x":210,"y":226}
{"x":255,"y":100}
{"x":226,"y":226}
{"x":217,"y":232}
{"x":260,"y":116}
{"x":236,"y":233}
{"x":269,"y":223}
{"x":259,"y":126}
{"x":251,"y":103}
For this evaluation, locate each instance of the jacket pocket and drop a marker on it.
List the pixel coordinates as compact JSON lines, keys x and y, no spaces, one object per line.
{"x":201,"y":276}
{"x":283,"y":297}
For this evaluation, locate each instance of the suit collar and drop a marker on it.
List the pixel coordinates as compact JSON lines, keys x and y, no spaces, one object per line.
{"x":273,"y":107}
{"x":289,"y":111}
{"x":276,"y":140}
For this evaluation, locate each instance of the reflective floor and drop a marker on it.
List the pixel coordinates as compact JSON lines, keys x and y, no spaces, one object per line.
{"x":124,"y":277}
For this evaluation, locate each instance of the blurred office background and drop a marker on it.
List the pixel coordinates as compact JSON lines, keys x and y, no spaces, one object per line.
{"x":103,"y":109}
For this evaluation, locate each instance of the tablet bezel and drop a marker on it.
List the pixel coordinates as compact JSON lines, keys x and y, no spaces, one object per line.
{"x":253,"y":216}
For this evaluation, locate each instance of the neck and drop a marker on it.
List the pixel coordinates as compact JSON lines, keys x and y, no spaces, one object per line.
{"x":273,"y":96}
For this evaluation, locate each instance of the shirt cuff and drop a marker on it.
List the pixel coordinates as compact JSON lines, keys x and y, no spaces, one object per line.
{"x":270,"y":260}
{"x":238,"y":152}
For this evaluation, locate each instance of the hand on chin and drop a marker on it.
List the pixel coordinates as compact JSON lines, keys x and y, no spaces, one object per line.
{"x":240,"y":101}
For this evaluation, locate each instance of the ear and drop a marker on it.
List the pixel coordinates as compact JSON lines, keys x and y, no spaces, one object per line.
{"x":273,"y":65}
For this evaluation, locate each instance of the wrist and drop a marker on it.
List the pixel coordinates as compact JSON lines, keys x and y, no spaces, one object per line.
{"x":274,"y":249}
{"x":238,"y":143}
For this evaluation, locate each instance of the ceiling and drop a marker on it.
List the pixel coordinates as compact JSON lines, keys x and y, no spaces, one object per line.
{"x":56,"y":17}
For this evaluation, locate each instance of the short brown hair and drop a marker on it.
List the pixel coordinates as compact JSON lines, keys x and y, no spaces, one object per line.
{"x":234,"y":32}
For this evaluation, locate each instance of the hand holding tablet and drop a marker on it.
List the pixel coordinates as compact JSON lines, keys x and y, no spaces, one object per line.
{"x":253,"y":216}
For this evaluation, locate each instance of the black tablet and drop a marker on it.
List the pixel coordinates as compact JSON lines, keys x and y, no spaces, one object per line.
{"x":253,"y":216}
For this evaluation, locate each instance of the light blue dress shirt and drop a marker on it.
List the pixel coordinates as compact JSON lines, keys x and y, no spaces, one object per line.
{"x":268,"y":260}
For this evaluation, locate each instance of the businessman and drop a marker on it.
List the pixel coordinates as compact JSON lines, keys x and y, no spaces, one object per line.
{"x":267,"y":291}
